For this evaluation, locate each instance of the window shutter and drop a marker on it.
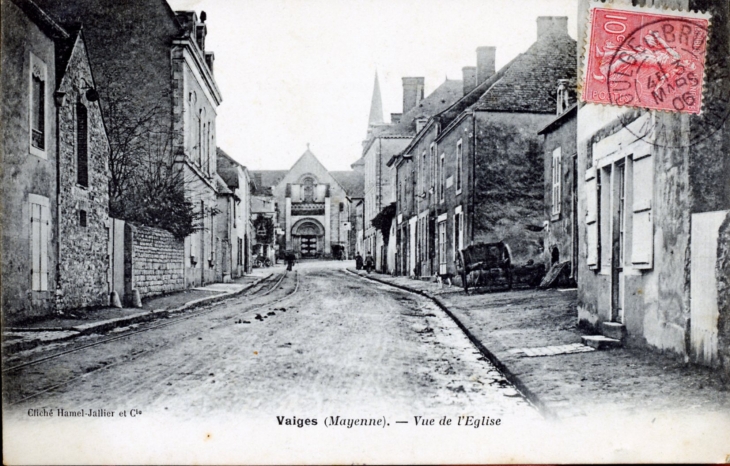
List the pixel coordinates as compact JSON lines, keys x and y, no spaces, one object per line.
{"x":642,"y":238}
{"x":44,"y":227}
{"x":592,"y":187}
{"x":35,"y":246}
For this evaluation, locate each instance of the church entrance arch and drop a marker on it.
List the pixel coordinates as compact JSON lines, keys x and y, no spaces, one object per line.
{"x":308,"y":235}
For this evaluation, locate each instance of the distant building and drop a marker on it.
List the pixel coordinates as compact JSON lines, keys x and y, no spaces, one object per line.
{"x":560,"y":187}
{"x":476,"y":167}
{"x":235,"y":208}
{"x":55,"y":222}
{"x":316,"y":212}
{"x":385,"y":141}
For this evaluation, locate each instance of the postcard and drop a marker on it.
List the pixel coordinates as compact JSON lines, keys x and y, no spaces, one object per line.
{"x":365,"y":231}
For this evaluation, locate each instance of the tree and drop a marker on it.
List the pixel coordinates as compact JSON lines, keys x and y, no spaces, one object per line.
{"x":147,"y":183}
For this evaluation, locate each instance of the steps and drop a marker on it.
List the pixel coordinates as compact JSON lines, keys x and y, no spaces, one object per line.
{"x":613,"y":336}
{"x":600,"y":342}
{"x":614,"y":330}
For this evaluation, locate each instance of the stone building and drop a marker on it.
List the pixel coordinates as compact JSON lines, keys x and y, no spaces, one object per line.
{"x":55,"y":173}
{"x":560,"y":188}
{"x":383,"y":142}
{"x":235,"y":210}
{"x":168,"y":103}
{"x":653,"y":193}
{"x":316,"y":211}
{"x":477,"y":165}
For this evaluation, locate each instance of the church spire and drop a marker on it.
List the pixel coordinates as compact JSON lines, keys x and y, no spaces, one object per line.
{"x":376,"y":106}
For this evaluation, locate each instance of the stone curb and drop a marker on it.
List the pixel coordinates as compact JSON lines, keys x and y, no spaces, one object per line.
{"x":531,"y":396}
{"x":110,"y":324}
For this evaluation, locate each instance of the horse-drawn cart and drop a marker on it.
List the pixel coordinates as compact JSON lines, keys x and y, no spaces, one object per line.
{"x":489,"y":265}
{"x":485,"y":264}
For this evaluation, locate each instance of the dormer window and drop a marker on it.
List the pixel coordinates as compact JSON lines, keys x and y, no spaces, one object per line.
{"x":200,"y":32}
{"x":563,"y":95}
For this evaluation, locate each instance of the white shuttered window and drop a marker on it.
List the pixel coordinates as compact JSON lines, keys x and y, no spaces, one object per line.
{"x":591,"y":187}
{"x":557,"y":175}
{"x":642,"y":237}
{"x":39,"y":228}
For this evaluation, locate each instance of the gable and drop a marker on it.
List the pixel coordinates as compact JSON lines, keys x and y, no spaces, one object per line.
{"x":308,"y":164}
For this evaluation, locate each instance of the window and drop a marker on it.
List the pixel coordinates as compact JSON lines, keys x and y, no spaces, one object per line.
{"x":432,"y":174}
{"x":642,"y":225}
{"x":592,"y":195}
{"x":211,"y":153}
{"x":459,"y":166}
{"x":37,"y":107}
{"x":557,"y":173}
{"x":240,"y":252}
{"x":199,"y":137}
{"x":82,"y":155}
{"x":39,"y":228}
{"x":458,"y":238}
{"x":82,"y":218}
{"x":421,"y":174}
{"x":442,"y":245}
{"x":442,"y":178}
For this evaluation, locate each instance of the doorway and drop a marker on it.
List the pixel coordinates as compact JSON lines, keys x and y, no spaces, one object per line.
{"x":308,"y":246}
{"x":618,"y":241}
{"x":442,"y":247}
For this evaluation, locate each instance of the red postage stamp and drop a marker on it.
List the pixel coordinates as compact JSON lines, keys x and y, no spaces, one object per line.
{"x":640,"y":57}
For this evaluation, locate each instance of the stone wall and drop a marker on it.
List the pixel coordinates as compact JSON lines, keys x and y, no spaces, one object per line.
{"x":508,"y":174}
{"x":155,"y":259}
{"x":83,"y":279}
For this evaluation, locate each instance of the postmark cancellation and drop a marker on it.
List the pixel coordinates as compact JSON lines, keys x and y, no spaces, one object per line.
{"x":645,"y":57}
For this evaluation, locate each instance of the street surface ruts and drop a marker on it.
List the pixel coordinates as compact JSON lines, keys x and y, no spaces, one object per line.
{"x":340,"y":344}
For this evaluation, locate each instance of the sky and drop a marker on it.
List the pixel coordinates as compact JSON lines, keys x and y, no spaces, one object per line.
{"x":298,"y":72}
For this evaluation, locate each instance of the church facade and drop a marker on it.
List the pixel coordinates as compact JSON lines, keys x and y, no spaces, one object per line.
{"x":316,"y":207}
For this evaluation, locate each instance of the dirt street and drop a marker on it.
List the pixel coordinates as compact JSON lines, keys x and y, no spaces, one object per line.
{"x":339,"y":344}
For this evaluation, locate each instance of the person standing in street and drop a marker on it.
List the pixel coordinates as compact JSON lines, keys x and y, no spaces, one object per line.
{"x":358,"y":261}
{"x":289,"y":260}
{"x":369,"y":262}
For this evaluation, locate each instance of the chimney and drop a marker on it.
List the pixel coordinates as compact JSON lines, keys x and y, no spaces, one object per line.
{"x":420,"y":123}
{"x":395,"y":118}
{"x":485,"y":63}
{"x":469,"y":74}
{"x":551,"y":25}
{"x":412,"y":92}
{"x":209,"y":59}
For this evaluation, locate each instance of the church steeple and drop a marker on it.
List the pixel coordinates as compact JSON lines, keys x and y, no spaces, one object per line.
{"x":376,"y":106}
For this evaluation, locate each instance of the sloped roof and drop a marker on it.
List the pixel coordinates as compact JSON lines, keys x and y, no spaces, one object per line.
{"x":230,"y":176}
{"x":225,"y":159}
{"x":221,"y":185}
{"x":352,"y":181}
{"x":440,"y":99}
{"x":559,"y":120}
{"x":530,"y":83}
{"x":265,"y":179}
{"x":453,"y":112}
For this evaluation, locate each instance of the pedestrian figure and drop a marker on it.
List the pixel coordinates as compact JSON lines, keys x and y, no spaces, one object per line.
{"x":369,"y":262}
{"x":289,"y":260}
{"x":358,"y":261}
